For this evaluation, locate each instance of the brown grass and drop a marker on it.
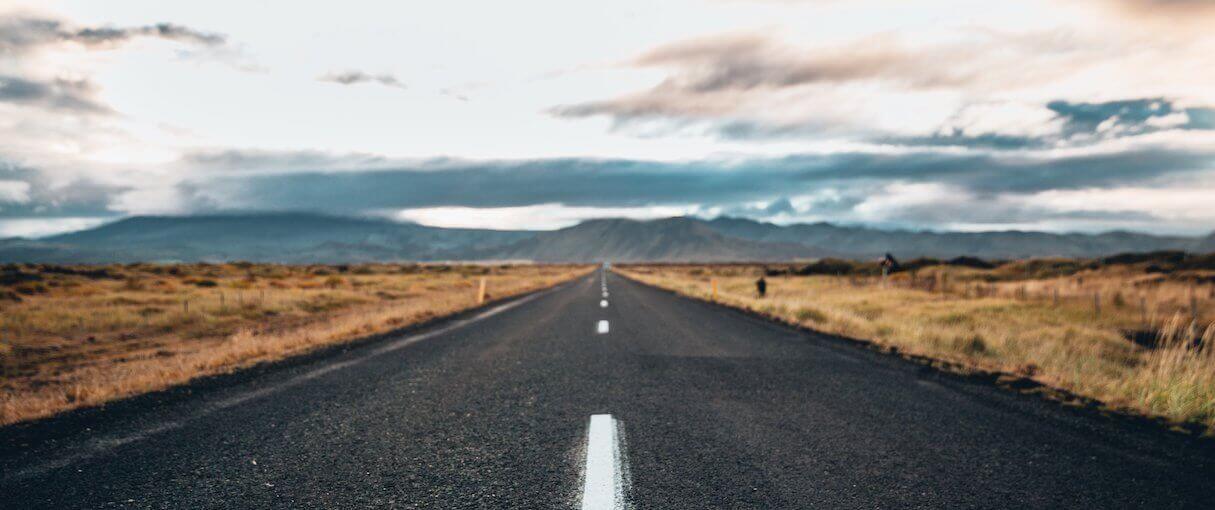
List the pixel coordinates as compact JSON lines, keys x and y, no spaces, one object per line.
{"x":80,"y":336}
{"x":1135,"y":341}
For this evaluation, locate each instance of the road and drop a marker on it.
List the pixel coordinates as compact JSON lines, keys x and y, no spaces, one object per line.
{"x":709,"y":408}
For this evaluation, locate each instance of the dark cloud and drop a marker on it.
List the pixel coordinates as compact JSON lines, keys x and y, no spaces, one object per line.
{"x":1080,"y":123}
{"x":967,"y":188}
{"x":624,"y":183}
{"x":1132,"y":116}
{"x":77,"y":96}
{"x":356,"y":77}
{"x":1084,"y":123}
{"x":20,"y":33}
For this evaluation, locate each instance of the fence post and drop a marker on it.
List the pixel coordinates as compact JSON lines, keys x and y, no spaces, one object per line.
{"x":1143,"y":309}
{"x":185,"y":306}
{"x":1097,"y":303}
{"x":1056,"y":297}
{"x":221,"y":300}
{"x":713,"y":283}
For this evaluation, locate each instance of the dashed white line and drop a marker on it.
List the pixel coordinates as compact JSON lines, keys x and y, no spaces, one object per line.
{"x":602,"y":303}
{"x":602,"y":327}
{"x":606,"y":479}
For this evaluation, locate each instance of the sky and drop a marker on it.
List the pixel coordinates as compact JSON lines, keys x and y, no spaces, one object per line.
{"x":1068,"y":115}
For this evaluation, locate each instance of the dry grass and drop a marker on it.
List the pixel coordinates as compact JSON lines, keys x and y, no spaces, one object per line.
{"x":1138,"y":342}
{"x":84,"y":335}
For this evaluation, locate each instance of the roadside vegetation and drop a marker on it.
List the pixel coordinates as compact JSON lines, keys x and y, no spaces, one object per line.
{"x":74,"y":336}
{"x":1136,"y":333}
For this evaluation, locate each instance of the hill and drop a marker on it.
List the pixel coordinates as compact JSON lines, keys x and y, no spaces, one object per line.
{"x":862,"y":242}
{"x":278,"y":237}
{"x":671,"y":239}
{"x":318,"y":238}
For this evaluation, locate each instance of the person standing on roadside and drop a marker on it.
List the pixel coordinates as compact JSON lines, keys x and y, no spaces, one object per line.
{"x":761,"y":286}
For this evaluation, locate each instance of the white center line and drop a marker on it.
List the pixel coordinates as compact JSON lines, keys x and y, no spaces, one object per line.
{"x":605,"y":481}
{"x":603,"y":327}
{"x":603,"y":303}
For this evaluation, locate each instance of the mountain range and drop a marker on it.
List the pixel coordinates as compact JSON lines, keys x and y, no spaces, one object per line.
{"x":316,"y":238}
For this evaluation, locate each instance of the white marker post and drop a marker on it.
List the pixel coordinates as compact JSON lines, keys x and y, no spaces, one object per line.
{"x":603,"y":327}
{"x":605,"y":481}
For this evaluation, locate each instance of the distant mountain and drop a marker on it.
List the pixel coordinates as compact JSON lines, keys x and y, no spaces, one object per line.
{"x":861,"y":242}
{"x":672,"y":239}
{"x":278,"y":237}
{"x":309,"y":238}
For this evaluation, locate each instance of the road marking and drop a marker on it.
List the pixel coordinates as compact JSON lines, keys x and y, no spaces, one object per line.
{"x":104,"y":444}
{"x":603,"y":327}
{"x":606,"y":478}
{"x":605,"y":294}
{"x":603,"y":303}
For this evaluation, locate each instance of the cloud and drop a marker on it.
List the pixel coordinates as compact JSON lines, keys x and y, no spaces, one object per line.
{"x":711,"y":76}
{"x":357,"y":77}
{"x":621,"y":183}
{"x":19,"y":34}
{"x":76,"y":96}
{"x":1061,"y":123}
{"x":217,"y":161}
{"x":1179,"y":10}
{"x":749,"y":77}
{"x":30,"y":193}
{"x":14,"y":192}
{"x":1129,"y":117}
{"x":919,"y":189}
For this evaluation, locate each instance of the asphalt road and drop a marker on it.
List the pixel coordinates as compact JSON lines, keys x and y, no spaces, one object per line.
{"x":712,"y":409}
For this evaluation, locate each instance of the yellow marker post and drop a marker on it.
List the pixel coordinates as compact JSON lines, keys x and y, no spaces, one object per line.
{"x":481,"y":293}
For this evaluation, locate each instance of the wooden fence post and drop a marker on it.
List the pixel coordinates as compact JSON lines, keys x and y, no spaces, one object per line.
{"x":1143,"y":309}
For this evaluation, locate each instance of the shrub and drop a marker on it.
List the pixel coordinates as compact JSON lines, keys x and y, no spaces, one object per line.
{"x":974,"y":346}
{"x":811,"y":314}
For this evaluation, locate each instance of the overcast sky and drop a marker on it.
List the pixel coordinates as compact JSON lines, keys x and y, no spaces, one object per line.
{"x":1070,"y":115}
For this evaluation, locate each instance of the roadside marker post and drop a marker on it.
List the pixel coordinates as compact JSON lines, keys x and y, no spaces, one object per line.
{"x":481,"y":292}
{"x":713,"y":282}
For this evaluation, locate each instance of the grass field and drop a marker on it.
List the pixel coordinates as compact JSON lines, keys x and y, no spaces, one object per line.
{"x":1129,"y":336}
{"x":74,"y":336}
